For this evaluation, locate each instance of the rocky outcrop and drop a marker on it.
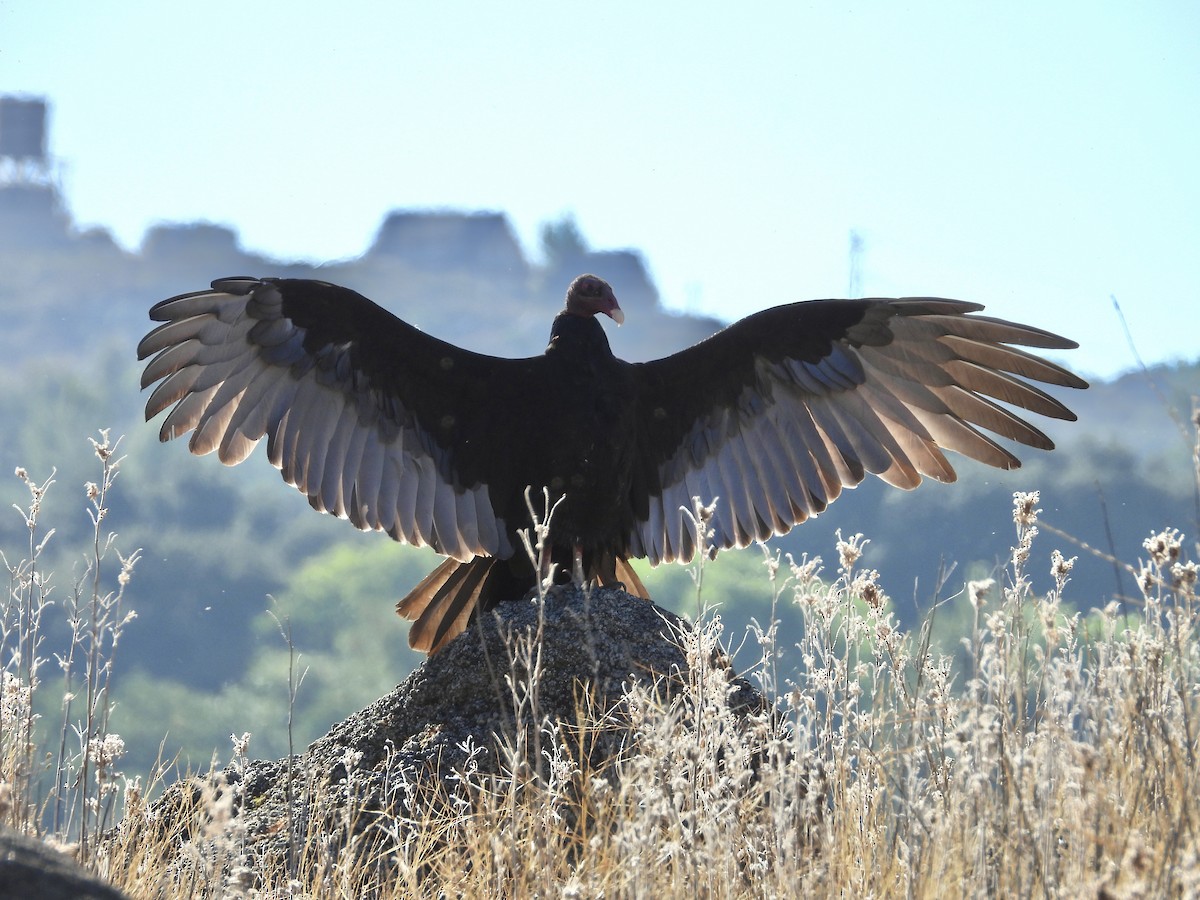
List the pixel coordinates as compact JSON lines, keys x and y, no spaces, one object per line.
{"x":471,"y":707}
{"x":30,"y":868}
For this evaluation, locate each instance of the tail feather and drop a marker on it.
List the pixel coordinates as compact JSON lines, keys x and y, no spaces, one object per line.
{"x":456,"y":601}
{"x":443,"y":605}
{"x":629,"y":578}
{"x":440,"y":607}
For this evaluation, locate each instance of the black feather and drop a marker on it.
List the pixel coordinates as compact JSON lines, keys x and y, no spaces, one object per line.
{"x":401,"y":432}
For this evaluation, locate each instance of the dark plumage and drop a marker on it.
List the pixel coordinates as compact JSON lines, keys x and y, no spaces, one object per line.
{"x":400,"y":432}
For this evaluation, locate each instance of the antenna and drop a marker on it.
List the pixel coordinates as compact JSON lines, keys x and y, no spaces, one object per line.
{"x":854,"y":281}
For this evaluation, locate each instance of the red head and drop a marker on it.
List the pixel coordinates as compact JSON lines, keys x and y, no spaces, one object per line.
{"x":589,"y":295}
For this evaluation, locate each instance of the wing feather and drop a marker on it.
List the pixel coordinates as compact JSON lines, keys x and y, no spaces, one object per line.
{"x":186,"y":413}
{"x":762,"y":453}
{"x":347,"y":396}
{"x":423,"y":501}
{"x":365,"y":481}
{"x":802,"y":401}
{"x":171,"y":390}
{"x":334,"y":492}
{"x":265,"y":399}
{"x":757,"y":502}
{"x":395,"y":502}
{"x":318,"y":434}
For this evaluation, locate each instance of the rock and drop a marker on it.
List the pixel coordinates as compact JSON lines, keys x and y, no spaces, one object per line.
{"x":30,"y":868}
{"x":454,"y":713}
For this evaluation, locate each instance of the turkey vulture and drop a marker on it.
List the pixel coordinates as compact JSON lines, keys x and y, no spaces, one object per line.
{"x":397,"y":431}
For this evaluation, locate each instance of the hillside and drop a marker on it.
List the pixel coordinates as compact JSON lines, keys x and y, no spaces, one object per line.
{"x":219,"y":543}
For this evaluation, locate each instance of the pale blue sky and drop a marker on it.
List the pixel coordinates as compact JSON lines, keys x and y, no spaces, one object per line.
{"x":1036,"y":157}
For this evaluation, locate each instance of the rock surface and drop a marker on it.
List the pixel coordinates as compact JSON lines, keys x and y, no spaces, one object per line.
{"x":30,"y":868}
{"x":369,"y":767}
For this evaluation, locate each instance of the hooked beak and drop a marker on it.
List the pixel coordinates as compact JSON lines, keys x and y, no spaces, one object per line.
{"x":616,"y":314}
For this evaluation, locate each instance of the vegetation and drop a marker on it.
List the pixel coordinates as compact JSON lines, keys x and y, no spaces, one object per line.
{"x":954,"y":716}
{"x":230,"y":551}
{"x":1060,"y":760}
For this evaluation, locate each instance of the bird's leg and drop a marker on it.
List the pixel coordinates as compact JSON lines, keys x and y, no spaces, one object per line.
{"x":577,"y":565}
{"x":606,"y":572}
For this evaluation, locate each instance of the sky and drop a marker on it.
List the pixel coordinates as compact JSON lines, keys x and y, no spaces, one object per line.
{"x":1040,"y":158}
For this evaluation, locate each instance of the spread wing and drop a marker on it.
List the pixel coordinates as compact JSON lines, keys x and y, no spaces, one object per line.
{"x":373,"y":420}
{"x":780,"y":411}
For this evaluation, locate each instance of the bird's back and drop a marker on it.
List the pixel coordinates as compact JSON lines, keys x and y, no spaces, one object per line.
{"x":587,"y":414}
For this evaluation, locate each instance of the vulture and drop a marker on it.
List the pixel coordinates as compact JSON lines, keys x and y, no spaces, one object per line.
{"x":398,"y":431}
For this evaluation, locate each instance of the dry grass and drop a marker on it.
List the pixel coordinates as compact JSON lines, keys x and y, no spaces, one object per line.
{"x":1063,"y":764}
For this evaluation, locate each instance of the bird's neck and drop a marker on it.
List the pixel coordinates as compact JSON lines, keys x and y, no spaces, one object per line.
{"x":577,"y":337}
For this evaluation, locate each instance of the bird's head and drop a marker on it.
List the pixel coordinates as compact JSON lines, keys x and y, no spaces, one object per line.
{"x":589,"y":295}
